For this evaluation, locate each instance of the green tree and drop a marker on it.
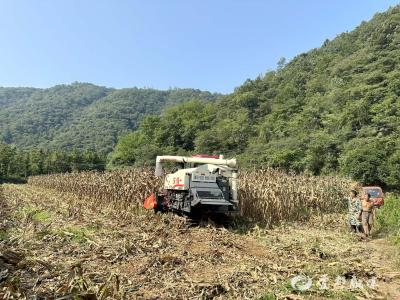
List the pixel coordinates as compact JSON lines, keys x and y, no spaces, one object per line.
{"x":364,"y":160}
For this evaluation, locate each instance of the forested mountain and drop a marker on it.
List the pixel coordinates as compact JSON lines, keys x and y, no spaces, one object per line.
{"x":16,"y":165}
{"x":332,"y":109}
{"x":80,"y":115}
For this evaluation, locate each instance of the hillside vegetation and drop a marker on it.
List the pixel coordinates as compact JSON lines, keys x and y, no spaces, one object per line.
{"x":332,"y":109}
{"x":80,"y":116}
{"x":16,"y":165}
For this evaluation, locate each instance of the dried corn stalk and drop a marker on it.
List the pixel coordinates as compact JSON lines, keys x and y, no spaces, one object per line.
{"x":266,"y":195}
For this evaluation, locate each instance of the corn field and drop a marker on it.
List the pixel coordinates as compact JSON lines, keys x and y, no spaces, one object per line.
{"x":268,"y":196}
{"x":120,"y":188}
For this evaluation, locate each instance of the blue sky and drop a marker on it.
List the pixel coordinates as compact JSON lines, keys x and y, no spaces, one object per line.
{"x":207,"y":44}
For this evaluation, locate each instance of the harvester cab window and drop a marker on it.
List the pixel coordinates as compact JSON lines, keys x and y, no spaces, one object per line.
{"x":374,"y":193}
{"x":178,"y":166}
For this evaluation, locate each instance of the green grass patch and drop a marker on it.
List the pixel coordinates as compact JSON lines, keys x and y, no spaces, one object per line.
{"x":268,"y":296}
{"x":3,"y":235}
{"x":388,"y":218}
{"x":78,"y":234}
{"x":37,"y":214}
{"x":342,"y":295}
{"x":345,"y":295}
{"x":42,"y":216}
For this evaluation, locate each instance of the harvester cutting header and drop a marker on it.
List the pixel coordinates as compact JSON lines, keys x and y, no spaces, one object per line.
{"x":201,"y":183}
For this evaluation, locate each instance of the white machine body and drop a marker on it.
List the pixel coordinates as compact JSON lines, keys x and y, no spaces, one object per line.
{"x":202,"y":182}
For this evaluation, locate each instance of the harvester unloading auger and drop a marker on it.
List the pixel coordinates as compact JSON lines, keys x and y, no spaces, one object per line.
{"x":203,"y":184}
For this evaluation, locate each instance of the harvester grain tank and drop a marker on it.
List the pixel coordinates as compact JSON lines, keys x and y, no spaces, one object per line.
{"x":203,"y":183}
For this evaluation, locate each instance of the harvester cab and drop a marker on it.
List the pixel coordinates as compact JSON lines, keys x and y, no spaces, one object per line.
{"x":205,"y":183}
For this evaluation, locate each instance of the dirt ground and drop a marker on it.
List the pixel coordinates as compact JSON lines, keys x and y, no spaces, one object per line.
{"x":57,"y":246}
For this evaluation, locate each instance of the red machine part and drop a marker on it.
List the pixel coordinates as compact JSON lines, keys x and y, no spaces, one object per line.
{"x":376,"y":194}
{"x":150,"y":202}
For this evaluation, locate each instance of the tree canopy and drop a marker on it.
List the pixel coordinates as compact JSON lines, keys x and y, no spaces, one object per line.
{"x":81,"y":115}
{"x":332,"y":109}
{"x":16,"y":165}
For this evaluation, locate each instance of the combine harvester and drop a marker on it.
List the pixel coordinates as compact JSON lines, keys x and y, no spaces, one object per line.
{"x":202,"y":184}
